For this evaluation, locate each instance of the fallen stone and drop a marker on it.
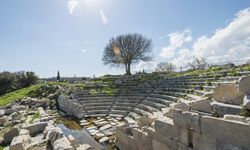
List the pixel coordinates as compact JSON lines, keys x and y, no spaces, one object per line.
{"x":99,"y":135}
{"x":246,"y":102}
{"x":103,"y":139}
{"x":84,"y":147}
{"x":8,"y":136}
{"x":19,"y":142}
{"x":229,"y":94}
{"x":244,"y":85}
{"x":105,"y":127}
{"x":222,"y":109}
{"x":36,"y":128}
{"x":52,"y":133}
{"x":62,"y":144}
{"x":24,"y":132}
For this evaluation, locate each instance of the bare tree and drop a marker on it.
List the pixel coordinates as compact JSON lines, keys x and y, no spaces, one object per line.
{"x":165,"y":67}
{"x":127,"y":49}
{"x":198,"y":63}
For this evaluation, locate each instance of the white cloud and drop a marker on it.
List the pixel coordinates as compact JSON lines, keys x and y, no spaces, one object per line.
{"x":147,"y":66}
{"x":84,"y":50}
{"x":226,"y":44}
{"x":176,"y":40}
{"x":104,"y":19}
{"x":72,"y":4}
{"x":229,"y":43}
{"x":86,"y":41}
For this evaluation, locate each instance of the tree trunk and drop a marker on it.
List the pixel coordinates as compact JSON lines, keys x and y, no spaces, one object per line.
{"x":128,"y":72}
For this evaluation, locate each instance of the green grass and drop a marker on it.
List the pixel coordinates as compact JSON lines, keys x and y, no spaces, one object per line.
{"x":35,"y":116}
{"x":18,"y":94}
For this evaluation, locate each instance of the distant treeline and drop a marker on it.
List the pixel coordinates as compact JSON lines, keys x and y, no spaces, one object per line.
{"x":13,"y":81}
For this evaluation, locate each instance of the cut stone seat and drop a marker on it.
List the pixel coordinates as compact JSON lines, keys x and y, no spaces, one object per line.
{"x":154,"y":104}
{"x":89,"y":108}
{"x":184,"y":90}
{"x":97,"y":104}
{"x":159,"y":100}
{"x":222,"y":109}
{"x":116,"y":115}
{"x":209,"y":88}
{"x":230,"y":78}
{"x":193,"y":97}
{"x":166,"y":97}
{"x":124,"y":108}
{"x":244,"y":72}
{"x":148,"y":108}
{"x":95,"y":101}
{"x":119,"y":112}
{"x":176,"y":86}
{"x":175,"y":94}
{"x":203,"y":93}
{"x":122,"y":104}
{"x":202,"y":113}
{"x":141,"y":111}
{"x":128,"y":100}
{"x":134,"y":115}
{"x":217,"y":83}
{"x":129,"y":120}
{"x":95,"y":115}
{"x":94,"y":98}
{"x":97,"y":112}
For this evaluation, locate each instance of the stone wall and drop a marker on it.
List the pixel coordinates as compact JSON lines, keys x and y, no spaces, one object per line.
{"x":70,"y":106}
{"x":186,"y":131}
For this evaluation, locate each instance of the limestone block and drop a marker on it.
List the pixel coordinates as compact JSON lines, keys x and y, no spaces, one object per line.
{"x":145,"y":121}
{"x":235,"y":118}
{"x":202,"y":142}
{"x":36,"y":128}
{"x":169,"y":113}
{"x":223,"y":109}
{"x":24,"y":132}
{"x":246,"y":102}
{"x":232,"y":132}
{"x":19,"y":142}
{"x":229,"y":94}
{"x":164,"y":127}
{"x":8,"y":136}
{"x":62,"y":144}
{"x":181,"y":106}
{"x":187,"y":120}
{"x":122,"y":140}
{"x":221,"y":145}
{"x":244,"y":85}
{"x":159,"y":146}
{"x":202,"y":105}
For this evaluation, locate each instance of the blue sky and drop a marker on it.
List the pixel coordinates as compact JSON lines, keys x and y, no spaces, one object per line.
{"x":69,"y":35}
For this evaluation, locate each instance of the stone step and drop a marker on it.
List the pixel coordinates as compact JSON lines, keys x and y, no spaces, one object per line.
{"x":125,"y":104}
{"x":203,"y":93}
{"x":96,"y":104}
{"x":134,"y":115}
{"x":222,"y":109}
{"x":147,"y":108}
{"x":129,"y":120}
{"x":89,"y":108}
{"x":97,"y":112}
{"x":209,"y":88}
{"x":193,"y":97}
{"x":120,"y":112}
{"x":122,"y":108}
{"x":217,"y":83}
{"x":159,"y":100}
{"x":154,"y":104}
{"x":95,"y":115}
{"x":166,"y":97}
{"x":141,"y":111}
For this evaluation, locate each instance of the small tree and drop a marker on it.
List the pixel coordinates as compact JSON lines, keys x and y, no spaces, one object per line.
{"x":198,"y":63}
{"x":58,"y":78}
{"x":165,"y":67}
{"x":127,"y":49}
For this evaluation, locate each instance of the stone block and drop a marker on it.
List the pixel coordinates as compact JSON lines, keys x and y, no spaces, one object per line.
{"x":8,"y":136}
{"x":221,"y":145}
{"x":19,"y":142}
{"x":122,"y":140}
{"x":62,"y":144}
{"x":246,"y":102}
{"x":202,"y":142}
{"x":36,"y":128}
{"x":164,"y":127}
{"x":244,"y":85}
{"x":232,"y":132}
{"x":187,"y":120}
{"x":159,"y":146}
{"x":229,"y":94}
{"x":202,"y":105}
{"x":222,"y":109}
{"x":180,"y":105}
